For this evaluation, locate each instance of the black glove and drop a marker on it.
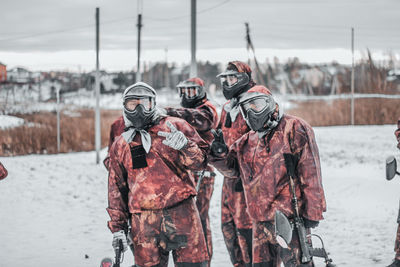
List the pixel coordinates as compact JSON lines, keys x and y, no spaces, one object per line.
{"x":170,"y":112}
{"x":309,"y":223}
{"x":218,"y":146}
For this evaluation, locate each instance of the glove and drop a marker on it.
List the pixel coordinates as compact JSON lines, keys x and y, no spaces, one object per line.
{"x":170,"y":112}
{"x":309,"y":223}
{"x":120,"y":235}
{"x":218,"y":146}
{"x":175,"y":139}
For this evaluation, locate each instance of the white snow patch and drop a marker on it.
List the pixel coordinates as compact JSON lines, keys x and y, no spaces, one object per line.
{"x":7,"y":122}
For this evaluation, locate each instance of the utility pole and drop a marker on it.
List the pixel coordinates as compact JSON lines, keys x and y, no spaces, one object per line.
{"x":193,"y":65}
{"x":166,"y":69}
{"x":40,"y":86}
{"x":97,"y":92}
{"x":139,"y":27}
{"x":352,"y":76}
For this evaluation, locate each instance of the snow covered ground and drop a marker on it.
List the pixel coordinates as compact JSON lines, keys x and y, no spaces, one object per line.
{"x":52,"y":207}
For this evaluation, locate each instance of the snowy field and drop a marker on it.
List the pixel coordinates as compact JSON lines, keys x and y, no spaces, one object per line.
{"x":52,"y":207}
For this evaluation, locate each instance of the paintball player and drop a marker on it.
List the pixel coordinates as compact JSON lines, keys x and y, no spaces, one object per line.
{"x":3,"y":172}
{"x":150,"y":183}
{"x":202,"y":115}
{"x":396,"y":262}
{"x":258,"y":159}
{"x":235,"y":221}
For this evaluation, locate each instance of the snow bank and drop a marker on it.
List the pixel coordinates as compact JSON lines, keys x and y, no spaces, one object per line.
{"x":10,"y":121}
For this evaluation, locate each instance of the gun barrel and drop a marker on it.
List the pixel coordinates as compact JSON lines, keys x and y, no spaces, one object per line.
{"x":118,"y":254}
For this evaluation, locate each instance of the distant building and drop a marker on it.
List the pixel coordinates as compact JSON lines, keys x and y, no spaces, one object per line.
{"x":3,"y":73}
{"x":18,"y":75}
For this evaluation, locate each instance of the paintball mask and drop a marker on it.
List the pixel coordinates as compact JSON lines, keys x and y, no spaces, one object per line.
{"x":191,"y":92}
{"x":235,"y":79}
{"x":257,"y":110}
{"x":139,"y":104}
{"x":233,"y":82}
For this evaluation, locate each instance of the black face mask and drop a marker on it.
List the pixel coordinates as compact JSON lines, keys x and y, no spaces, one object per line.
{"x":261,"y":120}
{"x":139,"y":118}
{"x":193,"y":102}
{"x":236,"y":89}
{"x":257,"y":121}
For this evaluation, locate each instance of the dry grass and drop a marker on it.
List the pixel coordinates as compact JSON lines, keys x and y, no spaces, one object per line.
{"x":337,"y":112}
{"x":39,"y":135}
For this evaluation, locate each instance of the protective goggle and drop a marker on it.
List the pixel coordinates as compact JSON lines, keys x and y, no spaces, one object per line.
{"x":189,"y":91}
{"x":229,"y":79}
{"x":257,"y":105}
{"x":148,"y":103}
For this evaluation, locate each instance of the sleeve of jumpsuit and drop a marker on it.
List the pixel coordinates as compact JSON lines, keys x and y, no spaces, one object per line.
{"x":309,"y":174}
{"x":194,"y":155}
{"x":227,"y":164}
{"x":3,"y":172}
{"x":117,"y":194}
{"x":397,"y":133}
{"x":113,"y":134}
{"x":201,"y":119}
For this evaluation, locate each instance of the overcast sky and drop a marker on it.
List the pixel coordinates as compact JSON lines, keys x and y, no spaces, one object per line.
{"x":46,"y":33}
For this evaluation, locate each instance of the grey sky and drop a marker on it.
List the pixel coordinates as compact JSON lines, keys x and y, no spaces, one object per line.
{"x":48,"y":25}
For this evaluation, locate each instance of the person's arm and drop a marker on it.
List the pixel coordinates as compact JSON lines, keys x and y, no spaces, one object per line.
{"x":194,"y":154}
{"x":309,"y":173}
{"x":117,"y":193}
{"x":192,"y":149}
{"x":397,"y":133}
{"x":3,"y":172}
{"x":222,"y":158}
{"x":111,"y":140}
{"x":202,"y":119}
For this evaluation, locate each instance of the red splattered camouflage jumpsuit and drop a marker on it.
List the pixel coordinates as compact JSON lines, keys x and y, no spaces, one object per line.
{"x":235,"y":220}
{"x":203,"y":118}
{"x":261,"y":166}
{"x":117,"y":128}
{"x":156,"y":191}
{"x":3,"y":172}
{"x":397,"y":243}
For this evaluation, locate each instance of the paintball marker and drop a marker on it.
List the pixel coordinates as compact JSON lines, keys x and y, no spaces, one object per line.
{"x":284,"y":228}
{"x":391,"y":168}
{"x":118,"y":254}
{"x":108,"y":262}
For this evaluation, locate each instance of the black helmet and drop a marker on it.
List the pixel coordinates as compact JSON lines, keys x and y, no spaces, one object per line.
{"x":235,"y":78}
{"x":139,"y":104}
{"x":257,"y":108}
{"x":191,"y":92}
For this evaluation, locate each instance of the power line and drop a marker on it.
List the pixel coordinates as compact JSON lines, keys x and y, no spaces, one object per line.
{"x":185,"y":16}
{"x":64,"y":30}
{"x":106,"y":22}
